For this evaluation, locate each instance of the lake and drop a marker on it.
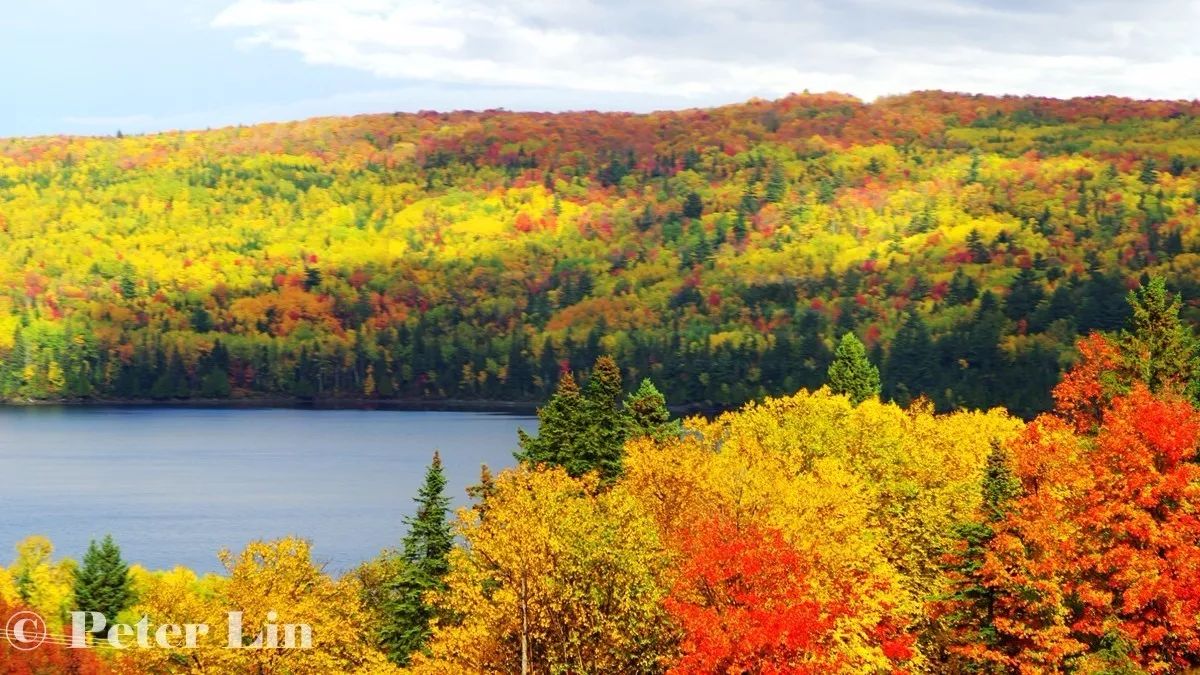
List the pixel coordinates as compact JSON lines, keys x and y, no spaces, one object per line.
{"x":175,"y":485}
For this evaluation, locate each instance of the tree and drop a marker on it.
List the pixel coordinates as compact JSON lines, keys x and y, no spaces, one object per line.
{"x":910,"y":363}
{"x":48,"y":658}
{"x":852,"y":373}
{"x":979,"y":251}
{"x":1157,"y":348}
{"x":971,"y":606}
{"x":559,"y":423}
{"x":603,"y":441}
{"x":102,"y":583}
{"x":581,"y":432}
{"x":423,"y":565}
{"x":559,"y":576}
{"x":693,"y":206}
{"x":1092,"y":563}
{"x":647,"y":415}
{"x":745,"y":600}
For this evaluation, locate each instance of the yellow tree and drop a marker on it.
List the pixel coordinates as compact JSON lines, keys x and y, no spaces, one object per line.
{"x":870,"y":492}
{"x":278,"y":591}
{"x":559,"y":576}
{"x":42,"y":583}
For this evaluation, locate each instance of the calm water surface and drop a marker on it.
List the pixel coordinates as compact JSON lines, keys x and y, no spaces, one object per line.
{"x":175,"y":485}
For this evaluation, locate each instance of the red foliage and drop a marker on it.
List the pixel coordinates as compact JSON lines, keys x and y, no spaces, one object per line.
{"x":1105,"y":540}
{"x":746,"y":603}
{"x":743,"y":601}
{"x":47,"y":658}
{"x":1085,"y":390}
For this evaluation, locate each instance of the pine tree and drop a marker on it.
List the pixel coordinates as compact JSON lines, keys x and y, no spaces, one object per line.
{"x":482,"y":490}
{"x":851,"y":373}
{"x":102,"y":583}
{"x":910,"y":363}
{"x":647,"y":415}
{"x":1160,"y":350}
{"x":979,"y":251}
{"x":423,"y":566}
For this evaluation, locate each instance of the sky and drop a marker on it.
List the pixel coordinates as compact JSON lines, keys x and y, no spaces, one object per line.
{"x":90,"y":67}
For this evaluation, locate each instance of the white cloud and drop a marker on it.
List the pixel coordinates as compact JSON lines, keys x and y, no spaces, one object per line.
{"x":710,"y":50}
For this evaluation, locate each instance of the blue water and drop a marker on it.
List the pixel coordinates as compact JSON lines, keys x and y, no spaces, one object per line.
{"x":175,"y":485}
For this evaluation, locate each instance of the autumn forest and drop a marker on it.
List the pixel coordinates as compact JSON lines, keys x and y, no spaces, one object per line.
{"x":944,"y":345}
{"x":966,"y":240}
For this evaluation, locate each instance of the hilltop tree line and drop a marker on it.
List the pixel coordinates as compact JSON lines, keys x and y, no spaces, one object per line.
{"x":966,"y":241}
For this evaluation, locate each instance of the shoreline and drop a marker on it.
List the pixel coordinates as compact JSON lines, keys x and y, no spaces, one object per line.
{"x":528,"y":408}
{"x":340,"y":403}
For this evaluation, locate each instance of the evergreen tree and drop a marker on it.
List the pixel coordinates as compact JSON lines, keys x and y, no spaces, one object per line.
{"x":776,"y":186}
{"x":482,"y":490}
{"x":582,"y":432}
{"x":979,"y":250}
{"x":973,"y":604}
{"x":1160,"y":350}
{"x":647,"y":415}
{"x":851,"y":373}
{"x":693,"y":206}
{"x":963,"y":289}
{"x":603,"y":441}
{"x":910,"y":362}
{"x":1023,"y":296}
{"x":423,"y":566}
{"x":559,"y":424}
{"x":102,"y":583}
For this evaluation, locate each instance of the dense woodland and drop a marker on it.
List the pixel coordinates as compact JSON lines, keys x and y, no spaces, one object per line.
{"x":967,"y":241}
{"x":820,"y":532}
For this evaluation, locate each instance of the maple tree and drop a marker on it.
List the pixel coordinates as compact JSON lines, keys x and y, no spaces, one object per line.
{"x":745,"y":601}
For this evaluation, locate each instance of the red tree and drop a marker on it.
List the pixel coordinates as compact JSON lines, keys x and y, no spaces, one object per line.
{"x":48,"y":658}
{"x":1100,"y":556}
{"x":746,"y":604}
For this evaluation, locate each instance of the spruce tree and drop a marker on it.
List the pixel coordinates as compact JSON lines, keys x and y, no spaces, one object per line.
{"x":851,"y":373}
{"x":647,"y":415}
{"x":560,"y":422}
{"x":424,"y":562}
{"x":586,"y":431}
{"x":972,"y":603}
{"x":910,"y":363}
{"x":602,"y":444}
{"x":102,"y":582}
{"x":1158,"y":348}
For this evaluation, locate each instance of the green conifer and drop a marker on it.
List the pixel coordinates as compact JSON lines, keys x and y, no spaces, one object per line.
{"x":851,"y":372}
{"x":423,"y":566}
{"x":647,"y":414}
{"x":102,"y":583}
{"x":1158,"y":348}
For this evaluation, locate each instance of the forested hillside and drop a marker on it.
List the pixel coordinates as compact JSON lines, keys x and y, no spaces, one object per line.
{"x":966,"y":240}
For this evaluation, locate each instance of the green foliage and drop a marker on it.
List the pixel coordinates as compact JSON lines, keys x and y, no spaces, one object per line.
{"x":720,"y":252}
{"x":102,"y":582}
{"x":1158,"y":348}
{"x":851,"y":372}
{"x":584,"y":432}
{"x":423,"y":564}
{"x":647,"y":414}
{"x":910,"y":366}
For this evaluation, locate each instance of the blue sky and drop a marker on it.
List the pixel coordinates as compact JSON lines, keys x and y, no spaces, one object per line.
{"x":77,"y":66}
